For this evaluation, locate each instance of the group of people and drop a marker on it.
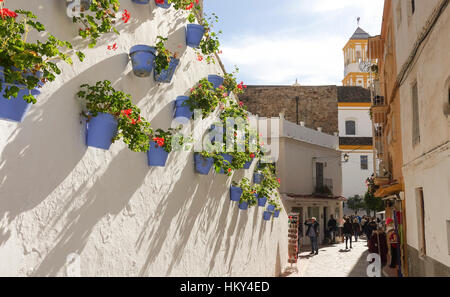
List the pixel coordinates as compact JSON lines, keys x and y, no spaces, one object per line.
{"x":355,"y":226}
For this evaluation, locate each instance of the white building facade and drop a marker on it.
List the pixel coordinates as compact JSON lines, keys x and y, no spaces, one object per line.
{"x":67,"y":209}
{"x":309,"y":166}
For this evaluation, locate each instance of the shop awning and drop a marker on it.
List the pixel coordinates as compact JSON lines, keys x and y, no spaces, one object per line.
{"x":388,"y":190}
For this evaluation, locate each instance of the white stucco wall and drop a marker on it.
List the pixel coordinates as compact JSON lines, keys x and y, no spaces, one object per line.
{"x":427,"y":164}
{"x":358,"y":114}
{"x":120,"y":216}
{"x":296,"y":164}
{"x":353,"y":177}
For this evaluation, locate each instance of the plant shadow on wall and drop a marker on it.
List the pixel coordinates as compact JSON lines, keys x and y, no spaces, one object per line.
{"x":38,"y":157}
{"x":109,"y":195}
{"x":190,"y":203}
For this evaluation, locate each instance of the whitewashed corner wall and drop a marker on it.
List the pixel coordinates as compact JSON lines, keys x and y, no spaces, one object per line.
{"x":123,"y":218}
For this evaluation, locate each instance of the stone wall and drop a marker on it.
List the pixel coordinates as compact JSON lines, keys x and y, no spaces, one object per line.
{"x":317,"y":105}
{"x":63,"y":204}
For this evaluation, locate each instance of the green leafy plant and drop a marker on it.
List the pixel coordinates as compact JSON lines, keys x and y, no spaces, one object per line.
{"x":99,"y":19}
{"x":210,"y":43}
{"x":204,"y":97}
{"x":270,"y":184}
{"x":27,"y":65}
{"x":163,"y":55}
{"x":230,"y":82}
{"x":192,"y":5}
{"x":275,"y":201}
{"x":248,"y":192}
{"x":133,"y":129}
{"x":170,"y":140}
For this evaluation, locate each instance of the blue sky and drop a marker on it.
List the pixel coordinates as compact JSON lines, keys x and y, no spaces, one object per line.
{"x":275,"y":42}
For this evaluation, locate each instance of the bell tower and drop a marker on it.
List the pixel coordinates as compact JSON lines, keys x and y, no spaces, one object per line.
{"x":356,"y":61}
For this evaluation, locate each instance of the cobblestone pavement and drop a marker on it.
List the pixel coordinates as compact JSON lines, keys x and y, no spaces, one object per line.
{"x":332,"y":261}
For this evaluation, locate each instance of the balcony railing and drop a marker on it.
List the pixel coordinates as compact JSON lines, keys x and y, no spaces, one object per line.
{"x":378,"y":101}
{"x":326,"y":188}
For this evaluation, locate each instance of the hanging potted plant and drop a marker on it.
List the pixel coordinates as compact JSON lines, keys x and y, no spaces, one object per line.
{"x":231,"y":85}
{"x":248,"y":198}
{"x":204,"y":97}
{"x":99,"y":19}
{"x":162,"y":143}
{"x":203,"y":162}
{"x":182,"y":111}
{"x":165,"y":62}
{"x":276,"y":213}
{"x":142,"y":59}
{"x":216,"y":80}
{"x":236,"y":190}
{"x":25,"y":66}
{"x":200,"y":36}
{"x":258,"y":177}
{"x":267,"y":215}
{"x":111,"y":116}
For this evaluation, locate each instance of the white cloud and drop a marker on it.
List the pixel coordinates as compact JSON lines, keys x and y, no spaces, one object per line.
{"x":310,"y":50}
{"x":281,"y":59}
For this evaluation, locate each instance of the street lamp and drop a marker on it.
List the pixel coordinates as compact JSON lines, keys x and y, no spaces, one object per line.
{"x":346,"y":158}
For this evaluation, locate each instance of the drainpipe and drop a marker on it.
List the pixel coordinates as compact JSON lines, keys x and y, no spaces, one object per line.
{"x":296,"y":102}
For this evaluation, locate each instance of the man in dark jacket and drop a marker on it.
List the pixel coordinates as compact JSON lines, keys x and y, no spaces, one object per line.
{"x":313,"y":233}
{"x":348,"y":232}
{"x":332,"y":226}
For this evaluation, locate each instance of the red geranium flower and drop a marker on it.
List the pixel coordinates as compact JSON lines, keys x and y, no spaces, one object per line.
{"x":113,"y":47}
{"x":159,"y":1}
{"x":159,"y":141}
{"x":126,"y":16}
{"x":6,"y":13}
{"x":252,"y":155}
{"x":127,"y":112}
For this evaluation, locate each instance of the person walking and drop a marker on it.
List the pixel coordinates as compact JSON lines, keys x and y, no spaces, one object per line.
{"x":313,"y":233}
{"x":332,"y":226}
{"x":356,"y":229}
{"x":348,"y":232}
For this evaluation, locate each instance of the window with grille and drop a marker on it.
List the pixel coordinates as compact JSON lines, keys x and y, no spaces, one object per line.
{"x":364,"y":162}
{"x":350,"y":127}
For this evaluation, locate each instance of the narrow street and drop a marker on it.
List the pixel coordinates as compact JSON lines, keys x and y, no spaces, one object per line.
{"x":332,"y":261}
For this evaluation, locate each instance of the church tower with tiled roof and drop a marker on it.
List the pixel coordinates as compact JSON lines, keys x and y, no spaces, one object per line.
{"x":356,"y":61}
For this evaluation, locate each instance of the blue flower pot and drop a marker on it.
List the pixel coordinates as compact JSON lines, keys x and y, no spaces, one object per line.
{"x":271,"y":207}
{"x":141,"y":1}
{"x":166,"y":75}
{"x":182,"y":112}
{"x":262,"y":201}
{"x":219,"y":132}
{"x":257,"y":178}
{"x":276,"y":214}
{"x":15,"y":108}
{"x":228,"y":158}
{"x":203,"y":165}
{"x":267,"y":215}
{"x":248,"y":164}
{"x":235,"y":193}
{"x":156,"y":155}
{"x":165,"y":5}
{"x":194,"y":34}
{"x":101,"y":130}
{"x":142,"y":58}
{"x":216,"y":80}
{"x":243,"y":205}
